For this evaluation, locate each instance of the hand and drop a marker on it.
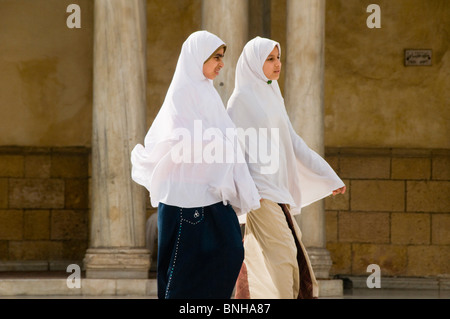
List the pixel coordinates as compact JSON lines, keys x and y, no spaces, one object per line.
{"x":339,"y":190}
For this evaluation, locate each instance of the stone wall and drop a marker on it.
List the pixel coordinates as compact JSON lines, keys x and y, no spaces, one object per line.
{"x":371,"y":98}
{"x":44,"y":201}
{"x":46,"y":74}
{"x":396,"y":212}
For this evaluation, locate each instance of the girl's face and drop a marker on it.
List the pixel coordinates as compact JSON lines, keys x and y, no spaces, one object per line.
{"x":272,"y":65}
{"x":212,"y":66}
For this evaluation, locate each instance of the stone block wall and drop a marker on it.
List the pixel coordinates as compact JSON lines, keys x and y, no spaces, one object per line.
{"x":396,"y":212}
{"x":44,"y":199}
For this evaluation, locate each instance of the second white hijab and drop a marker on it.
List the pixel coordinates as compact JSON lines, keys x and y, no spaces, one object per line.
{"x":303,"y":176}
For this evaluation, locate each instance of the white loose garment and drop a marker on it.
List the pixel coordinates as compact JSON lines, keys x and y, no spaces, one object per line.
{"x":303,"y":176}
{"x":187,"y":159}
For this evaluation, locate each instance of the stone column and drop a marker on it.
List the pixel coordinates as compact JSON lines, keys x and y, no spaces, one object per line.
{"x":117,"y":225}
{"x":228,"y":19}
{"x":304,"y":95}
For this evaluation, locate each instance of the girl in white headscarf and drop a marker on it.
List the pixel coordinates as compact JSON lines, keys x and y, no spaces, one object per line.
{"x":200,"y":248}
{"x":276,"y":264}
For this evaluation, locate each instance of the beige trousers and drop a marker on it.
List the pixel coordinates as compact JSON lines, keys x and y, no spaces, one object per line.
{"x":276,"y":264}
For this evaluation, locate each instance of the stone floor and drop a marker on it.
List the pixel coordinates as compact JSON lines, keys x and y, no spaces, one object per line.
{"x":47,"y":285}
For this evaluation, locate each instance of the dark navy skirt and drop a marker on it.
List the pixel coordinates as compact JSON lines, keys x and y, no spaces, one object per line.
{"x":200,"y":252}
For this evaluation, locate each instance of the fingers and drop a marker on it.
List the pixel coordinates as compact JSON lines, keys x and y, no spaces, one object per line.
{"x":340,"y":190}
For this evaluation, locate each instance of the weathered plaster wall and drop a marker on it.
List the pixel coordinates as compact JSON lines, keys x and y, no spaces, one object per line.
{"x":371,"y":98}
{"x":46,"y":74}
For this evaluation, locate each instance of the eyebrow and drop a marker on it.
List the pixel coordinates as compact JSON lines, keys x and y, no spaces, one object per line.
{"x":219,"y":55}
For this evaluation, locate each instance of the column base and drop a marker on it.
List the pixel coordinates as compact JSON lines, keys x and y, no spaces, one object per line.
{"x":330,"y":288}
{"x":320,"y":261}
{"x":115,"y":263}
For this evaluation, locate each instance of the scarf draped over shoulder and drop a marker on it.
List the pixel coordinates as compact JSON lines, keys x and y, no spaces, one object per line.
{"x":297,"y":175}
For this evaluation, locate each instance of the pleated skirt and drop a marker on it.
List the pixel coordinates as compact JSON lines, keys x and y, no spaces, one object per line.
{"x":200,"y":252}
{"x":276,"y":264}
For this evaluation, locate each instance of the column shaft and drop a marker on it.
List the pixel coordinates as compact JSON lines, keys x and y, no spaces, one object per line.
{"x":228,"y":19}
{"x":304,"y":99}
{"x":117,"y":242}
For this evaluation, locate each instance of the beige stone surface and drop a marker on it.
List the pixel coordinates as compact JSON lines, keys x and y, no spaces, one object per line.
{"x":377,"y":195}
{"x":410,"y":228}
{"x":441,"y":168}
{"x":411,"y":168}
{"x":330,"y":288}
{"x":11,"y":224}
{"x":68,"y":224}
{"x":98,"y":287}
{"x":364,"y":227}
{"x":428,"y":196}
{"x":331,"y":226}
{"x":74,"y":249}
{"x":428,"y":260}
{"x":46,"y":78}
{"x":392,"y":259}
{"x":36,"y":287}
{"x":37,"y":166}
{"x":36,"y":224}
{"x":365,"y":167}
{"x":371,"y":98}
{"x":36,"y":193}
{"x":341,"y":255}
{"x":117,"y":224}
{"x":76,"y":194}
{"x":90,"y":288}
{"x":69,"y":165}
{"x":3,"y":250}
{"x":35,"y":250}
{"x":3,"y":193}
{"x":46,"y":81}
{"x":440,"y":225}
{"x":137,"y":287}
{"x":11,"y":165}
{"x":117,"y":218}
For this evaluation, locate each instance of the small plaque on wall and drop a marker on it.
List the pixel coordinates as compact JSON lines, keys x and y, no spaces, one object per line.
{"x":415,"y":57}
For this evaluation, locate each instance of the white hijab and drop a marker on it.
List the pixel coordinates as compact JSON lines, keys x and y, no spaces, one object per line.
{"x":193,"y":116}
{"x":303,"y":176}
